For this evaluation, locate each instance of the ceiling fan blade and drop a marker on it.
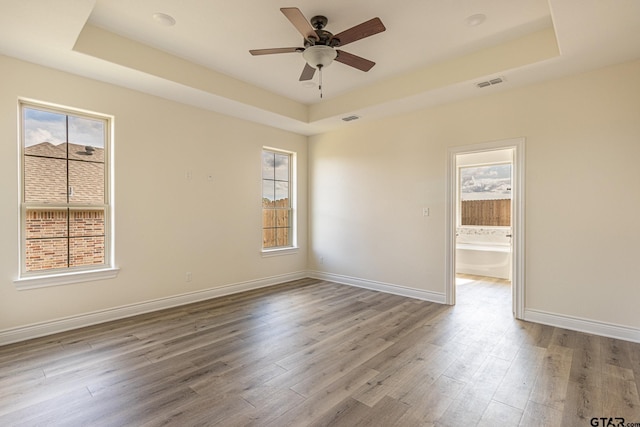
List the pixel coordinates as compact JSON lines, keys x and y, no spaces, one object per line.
{"x":301,"y":23}
{"x":307,"y":73}
{"x":275,"y":50}
{"x":354,"y":61}
{"x":366,"y":29}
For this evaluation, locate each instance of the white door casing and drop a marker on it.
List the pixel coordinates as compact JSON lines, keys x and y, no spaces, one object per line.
{"x":518,"y":218}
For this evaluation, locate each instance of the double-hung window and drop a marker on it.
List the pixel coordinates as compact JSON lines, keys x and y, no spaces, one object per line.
{"x":65,"y":194}
{"x":278,"y":218}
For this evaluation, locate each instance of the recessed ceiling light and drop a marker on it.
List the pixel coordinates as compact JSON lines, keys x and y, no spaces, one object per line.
{"x":475,"y":20}
{"x":164,"y":19}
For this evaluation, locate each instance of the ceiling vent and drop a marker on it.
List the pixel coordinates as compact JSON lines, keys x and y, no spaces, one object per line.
{"x":491,"y":82}
{"x":350,"y":118}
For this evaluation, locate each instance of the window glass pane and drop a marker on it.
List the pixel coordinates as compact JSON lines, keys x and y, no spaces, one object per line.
{"x":276,"y":200}
{"x":269,"y":238}
{"x":86,"y":182}
{"x":282,"y":218}
{"x":486,"y":182}
{"x":86,"y":251}
{"x":45,"y":254}
{"x":282,"y":237}
{"x":268,"y":193}
{"x":45,"y":133}
{"x":268,"y":218}
{"x":45,"y":223}
{"x":45,"y":180}
{"x":86,"y":139}
{"x":86,"y":223}
{"x":282,"y":194}
{"x":485,"y":195}
{"x":281,"y":166}
{"x":268,"y":162}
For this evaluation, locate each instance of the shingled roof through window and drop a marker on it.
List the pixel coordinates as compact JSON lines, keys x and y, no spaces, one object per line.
{"x":46,"y":173}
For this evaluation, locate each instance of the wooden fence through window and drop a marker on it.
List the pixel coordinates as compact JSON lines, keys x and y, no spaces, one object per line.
{"x":486,"y":212}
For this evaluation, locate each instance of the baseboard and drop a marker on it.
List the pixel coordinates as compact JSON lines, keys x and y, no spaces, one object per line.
{"x":388,"y":288}
{"x":583,"y":325}
{"x":24,"y":333}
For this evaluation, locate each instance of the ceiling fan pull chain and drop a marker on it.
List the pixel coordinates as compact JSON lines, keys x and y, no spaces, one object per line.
{"x":320,"y":81}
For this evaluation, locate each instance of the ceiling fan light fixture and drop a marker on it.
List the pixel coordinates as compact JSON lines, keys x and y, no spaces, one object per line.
{"x":319,"y":56}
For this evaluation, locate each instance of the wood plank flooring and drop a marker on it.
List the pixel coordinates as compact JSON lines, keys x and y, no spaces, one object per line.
{"x":314,"y":353}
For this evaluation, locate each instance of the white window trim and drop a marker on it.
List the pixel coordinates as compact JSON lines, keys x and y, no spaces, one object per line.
{"x":67,"y":278}
{"x":108,"y":270}
{"x":293,"y":192}
{"x":289,"y":250}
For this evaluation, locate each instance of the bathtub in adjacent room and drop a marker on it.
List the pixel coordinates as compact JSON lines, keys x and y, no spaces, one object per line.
{"x":484,"y":252}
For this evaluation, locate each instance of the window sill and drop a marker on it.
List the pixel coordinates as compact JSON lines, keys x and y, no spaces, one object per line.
{"x":280,"y":251}
{"x":45,"y":281}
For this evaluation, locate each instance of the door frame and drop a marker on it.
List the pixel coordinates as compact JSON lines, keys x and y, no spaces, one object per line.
{"x":518,"y":217}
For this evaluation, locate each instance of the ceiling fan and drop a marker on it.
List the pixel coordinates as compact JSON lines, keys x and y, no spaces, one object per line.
{"x":320,"y":46}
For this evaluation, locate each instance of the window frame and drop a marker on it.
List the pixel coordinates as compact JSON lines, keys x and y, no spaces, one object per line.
{"x":60,"y":276}
{"x":293,"y":246}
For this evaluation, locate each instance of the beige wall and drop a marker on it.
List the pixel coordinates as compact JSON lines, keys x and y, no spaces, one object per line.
{"x":165,"y":225}
{"x":369,"y":183}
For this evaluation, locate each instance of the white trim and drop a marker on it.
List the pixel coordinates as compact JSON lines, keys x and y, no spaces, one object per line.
{"x":387,"y":288}
{"x":583,"y":325}
{"x":23,"y":333}
{"x":517,"y":201}
{"x":279,"y":251}
{"x":43,"y":281}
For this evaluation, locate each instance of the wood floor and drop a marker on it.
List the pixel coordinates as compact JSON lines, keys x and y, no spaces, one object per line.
{"x":316,"y":353}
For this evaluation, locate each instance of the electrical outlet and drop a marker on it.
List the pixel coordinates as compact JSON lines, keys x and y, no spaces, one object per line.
{"x":189,"y":276}
{"x":425,"y":211}
{"x":188,"y":175}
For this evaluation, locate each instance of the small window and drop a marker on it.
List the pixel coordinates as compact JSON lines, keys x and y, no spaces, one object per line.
{"x":485,"y":195}
{"x":65,"y":200}
{"x":277,"y":208}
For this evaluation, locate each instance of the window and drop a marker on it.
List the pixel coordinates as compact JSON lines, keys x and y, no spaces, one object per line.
{"x":65,"y":197}
{"x":485,"y":195}
{"x":277,"y":208}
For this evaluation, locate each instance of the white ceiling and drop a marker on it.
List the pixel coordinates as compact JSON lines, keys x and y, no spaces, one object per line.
{"x":219,"y":34}
{"x":423,"y":41}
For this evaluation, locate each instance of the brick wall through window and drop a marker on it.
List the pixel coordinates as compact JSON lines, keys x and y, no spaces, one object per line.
{"x":64,"y":238}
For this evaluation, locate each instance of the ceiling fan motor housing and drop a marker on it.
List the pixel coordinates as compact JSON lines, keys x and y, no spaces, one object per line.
{"x":324,"y":37}
{"x":319,"y":22}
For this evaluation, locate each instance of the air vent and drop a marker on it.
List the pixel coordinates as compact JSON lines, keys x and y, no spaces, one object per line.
{"x":350,"y":118}
{"x":491,"y":82}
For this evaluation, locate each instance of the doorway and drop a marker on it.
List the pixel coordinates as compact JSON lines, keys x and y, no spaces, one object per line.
{"x":501,"y":248}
